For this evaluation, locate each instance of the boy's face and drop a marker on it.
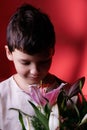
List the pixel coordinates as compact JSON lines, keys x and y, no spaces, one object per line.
{"x":31,"y":68}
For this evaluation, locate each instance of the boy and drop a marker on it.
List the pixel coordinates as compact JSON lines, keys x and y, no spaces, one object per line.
{"x":31,"y":42}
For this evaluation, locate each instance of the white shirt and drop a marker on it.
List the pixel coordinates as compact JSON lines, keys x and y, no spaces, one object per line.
{"x":11,"y":96}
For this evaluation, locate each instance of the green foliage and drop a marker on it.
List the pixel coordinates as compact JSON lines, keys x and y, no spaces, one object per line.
{"x":71,"y":114}
{"x":40,"y":121}
{"x":21,"y":121}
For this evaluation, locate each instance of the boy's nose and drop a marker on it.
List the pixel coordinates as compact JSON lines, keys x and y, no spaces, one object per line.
{"x":34,"y":70}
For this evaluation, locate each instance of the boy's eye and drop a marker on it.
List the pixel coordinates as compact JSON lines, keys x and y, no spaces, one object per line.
{"x":25,"y":63}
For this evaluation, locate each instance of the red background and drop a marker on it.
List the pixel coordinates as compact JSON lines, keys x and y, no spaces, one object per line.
{"x":70,"y":21}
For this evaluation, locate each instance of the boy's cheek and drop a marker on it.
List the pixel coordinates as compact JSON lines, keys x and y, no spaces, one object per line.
{"x":21,"y":70}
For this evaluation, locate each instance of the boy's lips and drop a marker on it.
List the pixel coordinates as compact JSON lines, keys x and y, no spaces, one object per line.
{"x":34,"y":77}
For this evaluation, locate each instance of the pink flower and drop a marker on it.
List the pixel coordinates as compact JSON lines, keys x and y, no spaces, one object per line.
{"x":41,"y":97}
{"x":53,"y":95}
{"x":36,"y":95}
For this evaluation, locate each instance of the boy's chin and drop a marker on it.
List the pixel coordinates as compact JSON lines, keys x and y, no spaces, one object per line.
{"x":33,"y":82}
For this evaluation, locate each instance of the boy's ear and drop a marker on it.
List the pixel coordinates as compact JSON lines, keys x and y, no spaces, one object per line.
{"x":8,"y":53}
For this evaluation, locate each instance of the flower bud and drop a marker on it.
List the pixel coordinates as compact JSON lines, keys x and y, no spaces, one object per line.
{"x":54,"y":118}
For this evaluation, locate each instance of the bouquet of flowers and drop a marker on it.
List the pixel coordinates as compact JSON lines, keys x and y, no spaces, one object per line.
{"x":63,"y":108}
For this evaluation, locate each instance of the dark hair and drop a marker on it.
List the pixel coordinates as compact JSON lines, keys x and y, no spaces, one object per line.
{"x":30,"y":30}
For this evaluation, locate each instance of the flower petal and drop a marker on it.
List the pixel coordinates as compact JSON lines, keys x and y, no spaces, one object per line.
{"x":36,"y":95}
{"x":54,"y":118}
{"x":75,"y":88}
{"x":53,"y":95}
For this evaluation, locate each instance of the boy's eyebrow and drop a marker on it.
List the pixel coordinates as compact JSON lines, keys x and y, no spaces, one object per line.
{"x":23,"y":60}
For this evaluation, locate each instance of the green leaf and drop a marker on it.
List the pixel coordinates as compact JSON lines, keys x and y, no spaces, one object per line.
{"x":75,"y":107}
{"x":47,"y":110}
{"x":42,"y":118}
{"x":37,"y":124}
{"x":61,"y":101}
{"x":83,"y":98}
{"x":21,"y":121}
